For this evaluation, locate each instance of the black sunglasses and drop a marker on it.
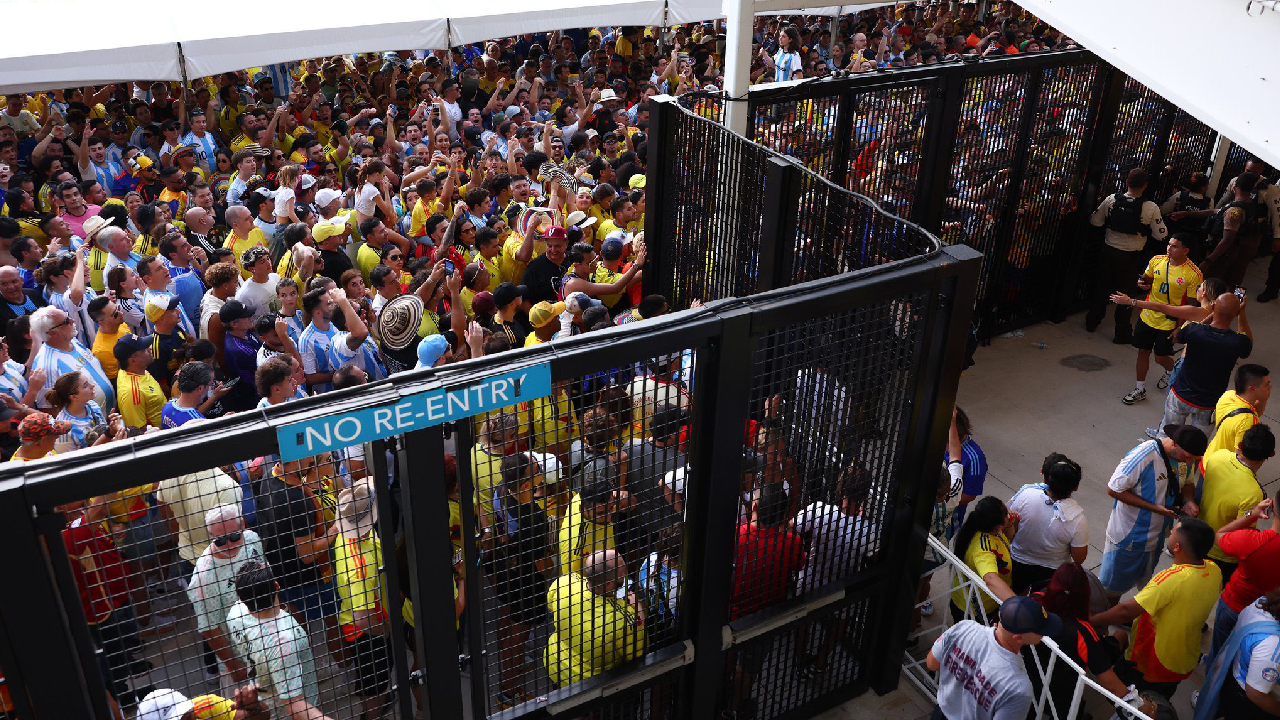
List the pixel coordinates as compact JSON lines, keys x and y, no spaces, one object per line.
{"x":395,"y":257}
{"x":223,"y":540}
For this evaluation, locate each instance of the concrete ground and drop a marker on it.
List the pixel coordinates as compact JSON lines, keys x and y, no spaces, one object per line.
{"x":1026,"y":402}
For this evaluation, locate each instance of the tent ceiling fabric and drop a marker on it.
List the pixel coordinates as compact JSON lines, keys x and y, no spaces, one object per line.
{"x":1140,"y":38}
{"x":1241,"y":103}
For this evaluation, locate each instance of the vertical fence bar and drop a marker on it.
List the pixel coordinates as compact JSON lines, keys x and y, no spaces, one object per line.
{"x":391,"y":580}
{"x":844,"y":138}
{"x":475,"y":657}
{"x":57,"y":680}
{"x":426,"y":527}
{"x":935,"y":392}
{"x":712,"y":506}
{"x":939,"y":146}
{"x":777,"y":238}
{"x":662,"y":114}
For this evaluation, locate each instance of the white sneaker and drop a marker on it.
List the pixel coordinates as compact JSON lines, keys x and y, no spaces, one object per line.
{"x":1135,"y":395}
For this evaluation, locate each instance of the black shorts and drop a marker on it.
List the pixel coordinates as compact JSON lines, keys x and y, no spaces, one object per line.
{"x":1146,"y":337}
{"x":371,"y":655}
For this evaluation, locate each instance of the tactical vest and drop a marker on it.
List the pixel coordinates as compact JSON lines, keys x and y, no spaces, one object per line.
{"x":1126,"y":215}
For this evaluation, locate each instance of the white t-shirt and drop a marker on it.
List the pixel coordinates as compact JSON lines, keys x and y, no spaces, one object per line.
{"x":1258,"y":662}
{"x":277,"y":652}
{"x":258,"y":296}
{"x":364,"y":199}
{"x":210,"y":304}
{"x":836,"y":541}
{"x":979,"y":678}
{"x":455,"y":116}
{"x":1049,"y":528}
{"x":212,"y":590}
{"x":282,"y":195}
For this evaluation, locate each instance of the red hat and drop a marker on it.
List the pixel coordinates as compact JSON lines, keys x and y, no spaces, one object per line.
{"x":555,"y":232}
{"x":38,"y":426}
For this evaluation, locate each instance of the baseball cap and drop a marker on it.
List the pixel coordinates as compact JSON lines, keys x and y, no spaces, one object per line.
{"x":430,"y":350}
{"x":234,"y":310}
{"x":1020,"y":614}
{"x":252,"y":254}
{"x":1191,"y":439}
{"x":129,"y":344}
{"x":482,"y":303}
{"x":326,"y":229}
{"x":266,"y":192}
{"x":257,"y":79}
{"x":637,"y":181}
{"x":324,"y":196}
{"x":576,"y":302}
{"x":164,"y":705}
{"x":38,"y":426}
{"x":119,"y":126}
{"x":158,"y":304}
{"x":306,"y":181}
{"x":505,"y":293}
{"x":512,"y":111}
{"x":612,"y":248}
{"x":138,"y":163}
{"x":357,"y":510}
{"x":544,"y":312}
{"x":555,"y":232}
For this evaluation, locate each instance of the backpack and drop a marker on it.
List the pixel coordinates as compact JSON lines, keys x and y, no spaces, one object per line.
{"x":1126,"y":215}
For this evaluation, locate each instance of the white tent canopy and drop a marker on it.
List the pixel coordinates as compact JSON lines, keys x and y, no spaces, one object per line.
{"x":130,"y":41}
{"x":1236,"y":91}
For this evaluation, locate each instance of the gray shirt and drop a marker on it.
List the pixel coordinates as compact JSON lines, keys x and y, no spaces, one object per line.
{"x":979,"y":679}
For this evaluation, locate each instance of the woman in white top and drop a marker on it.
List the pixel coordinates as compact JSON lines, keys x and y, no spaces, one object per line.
{"x":786,"y":63}
{"x":285,"y":195}
{"x":374,"y":193}
{"x":1052,"y":527}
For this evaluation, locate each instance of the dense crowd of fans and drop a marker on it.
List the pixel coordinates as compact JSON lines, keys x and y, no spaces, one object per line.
{"x":170,"y":254}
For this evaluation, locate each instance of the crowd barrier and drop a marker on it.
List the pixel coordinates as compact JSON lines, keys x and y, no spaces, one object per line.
{"x":843,"y":384}
{"x":1088,"y":698}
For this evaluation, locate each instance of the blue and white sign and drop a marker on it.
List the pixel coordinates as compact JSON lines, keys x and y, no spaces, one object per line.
{"x":299,"y":440}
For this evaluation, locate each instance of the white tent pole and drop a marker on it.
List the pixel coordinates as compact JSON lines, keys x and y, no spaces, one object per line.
{"x":182,"y":68}
{"x":1219,"y":165}
{"x":737,"y":63}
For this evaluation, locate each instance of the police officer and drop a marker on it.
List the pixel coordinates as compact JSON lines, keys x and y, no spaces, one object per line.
{"x":1187,"y":210}
{"x":1129,"y":219}
{"x":1233,"y":241}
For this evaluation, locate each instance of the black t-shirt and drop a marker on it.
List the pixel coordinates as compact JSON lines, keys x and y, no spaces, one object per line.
{"x":163,"y":365}
{"x":336,"y":262}
{"x":543,"y":277}
{"x":516,"y":330}
{"x":1082,"y":644}
{"x":285,"y":513}
{"x":1210,"y":356}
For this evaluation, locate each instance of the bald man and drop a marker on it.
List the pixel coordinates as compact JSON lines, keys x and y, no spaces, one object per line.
{"x":200,"y":223}
{"x":594,"y":631}
{"x":1211,"y":354}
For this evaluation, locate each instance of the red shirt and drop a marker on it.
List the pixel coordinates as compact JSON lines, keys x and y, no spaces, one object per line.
{"x":98,"y":568}
{"x":1259,"y":569}
{"x":763,"y":564}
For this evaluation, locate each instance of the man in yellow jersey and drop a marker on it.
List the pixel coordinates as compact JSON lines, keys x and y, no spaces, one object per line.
{"x":588,"y":526}
{"x":362,"y":614}
{"x":1239,"y":409}
{"x":594,"y":631}
{"x":1170,"y":613}
{"x":244,"y":235}
{"x":1171,"y":279}
{"x":139,"y":397}
{"x":1231,"y":487}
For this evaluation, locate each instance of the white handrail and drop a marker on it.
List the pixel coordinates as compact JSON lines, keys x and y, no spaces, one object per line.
{"x":975,"y":589}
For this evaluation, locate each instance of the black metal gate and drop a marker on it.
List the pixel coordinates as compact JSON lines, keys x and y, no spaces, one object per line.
{"x":834,"y":392}
{"x":1008,"y":155}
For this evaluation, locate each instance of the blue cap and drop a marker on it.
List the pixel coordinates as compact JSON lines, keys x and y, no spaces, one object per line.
{"x":611,"y":249}
{"x":430,"y":350}
{"x":1021,"y":614}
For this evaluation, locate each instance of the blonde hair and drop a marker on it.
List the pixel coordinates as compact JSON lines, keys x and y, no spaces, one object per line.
{"x":288,"y":176}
